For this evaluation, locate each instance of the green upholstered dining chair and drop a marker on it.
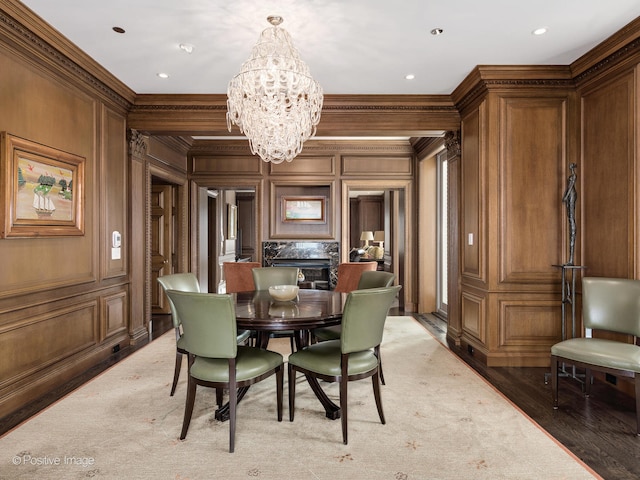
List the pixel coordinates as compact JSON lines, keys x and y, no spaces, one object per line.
{"x":375,"y":279}
{"x":265,"y":277}
{"x":216,"y":360}
{"x":354,"y":356}
{"x":610,"y":305}
{"x":368,"y":279}
{"x":184,"y":282}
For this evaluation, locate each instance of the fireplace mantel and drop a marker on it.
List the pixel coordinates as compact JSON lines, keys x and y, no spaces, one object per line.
{"x":308,"y":253}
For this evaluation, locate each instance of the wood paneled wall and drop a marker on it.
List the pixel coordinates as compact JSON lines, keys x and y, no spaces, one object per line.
{"x":521,"y":128}
{"x":64,"y":301}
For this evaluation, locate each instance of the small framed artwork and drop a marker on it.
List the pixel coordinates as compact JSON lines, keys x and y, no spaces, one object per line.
{"x":41,"y":190}
{"x":304,"y":209}
{"x":232,"y":221}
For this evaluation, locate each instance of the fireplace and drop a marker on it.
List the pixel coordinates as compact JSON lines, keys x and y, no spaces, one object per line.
{"x":317,"y":260}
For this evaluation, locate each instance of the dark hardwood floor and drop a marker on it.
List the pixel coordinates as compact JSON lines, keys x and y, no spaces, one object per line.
{"x":599,"y":430}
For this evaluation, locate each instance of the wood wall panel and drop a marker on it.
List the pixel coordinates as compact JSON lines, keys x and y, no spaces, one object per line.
{"x":46,"y":111}
{"x":528,"y":322}
{"x":305,"y":165}
{"x":473,"y":316}
{"x":472,"y":201}
{"x":114,"y":192}
{"x":114,"y":314}
{"x":532,"y":156}
{"x":377,"y":166}
{"x":227,"y":165}
{"x":607,"y":190}
{"x":29,"y":347}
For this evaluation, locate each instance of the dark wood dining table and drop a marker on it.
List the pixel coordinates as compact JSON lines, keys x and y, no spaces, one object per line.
{"x":311,"y":309}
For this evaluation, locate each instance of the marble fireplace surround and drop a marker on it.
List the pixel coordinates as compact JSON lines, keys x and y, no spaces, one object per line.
{"x":303,"y":254}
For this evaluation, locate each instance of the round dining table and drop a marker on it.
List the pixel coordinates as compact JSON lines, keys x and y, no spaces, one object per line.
{"x":257,"y":311}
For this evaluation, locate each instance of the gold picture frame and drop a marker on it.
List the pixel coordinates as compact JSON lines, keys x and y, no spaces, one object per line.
{"x":304,"y":209}
{"x":41,"y":190}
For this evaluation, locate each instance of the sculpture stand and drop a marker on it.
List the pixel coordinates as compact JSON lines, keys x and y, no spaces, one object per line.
{"x":568,"y":306}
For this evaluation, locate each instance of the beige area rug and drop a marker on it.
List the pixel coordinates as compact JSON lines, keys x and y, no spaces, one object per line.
{"x":443,"y":422}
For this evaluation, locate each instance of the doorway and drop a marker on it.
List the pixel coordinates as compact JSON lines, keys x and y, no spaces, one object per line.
{"x":399,"y":243}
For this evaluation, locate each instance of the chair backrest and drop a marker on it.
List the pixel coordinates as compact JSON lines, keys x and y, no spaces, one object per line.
{"x":184,"y":282}
{"x":349,"y":275}
{"x":238,"y":276}
{"x":363,"y":317}
{"x":266,"y":277}
{"x":611,"y":304}
{"x":208,"y":323}
{"x":375,"y":279}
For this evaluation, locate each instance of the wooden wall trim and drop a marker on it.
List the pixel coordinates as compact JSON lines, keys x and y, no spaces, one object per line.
{"x":409,"y":115}
{"x":21,"y":28}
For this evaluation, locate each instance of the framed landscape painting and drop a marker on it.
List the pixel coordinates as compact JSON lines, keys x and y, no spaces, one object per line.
{"x":305,"y":209}
{"x":42,"y":190}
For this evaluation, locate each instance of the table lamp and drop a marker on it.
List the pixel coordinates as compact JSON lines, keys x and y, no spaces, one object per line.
{"x":366,"y":236}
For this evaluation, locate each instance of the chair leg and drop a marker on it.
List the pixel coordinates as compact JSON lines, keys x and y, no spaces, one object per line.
{"x":587,"y":382}
{"x":188,"y":408}
{"x":292,"y":392}
{"x":344,"y":381}
{"x":554,"y":381}
{"x":279,"y":390}
{"x":219,"y":394}
{"x":377,"y":396}
{"x":636,"y":381}
{"x":176,"y":373}
{"x":377,"y":351}
{"x":233,"y":403}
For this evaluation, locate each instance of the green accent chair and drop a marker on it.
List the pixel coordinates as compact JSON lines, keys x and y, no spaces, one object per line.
{"x":184,"y":282}
{"x":265,"y":277}
{"x":356,"y":355}
{"x":368,"y":279}
{"x":216,"y":360}
{"x":612,"y":305}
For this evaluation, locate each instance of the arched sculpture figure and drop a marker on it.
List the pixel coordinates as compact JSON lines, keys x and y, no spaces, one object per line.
{"x":569,"y":198}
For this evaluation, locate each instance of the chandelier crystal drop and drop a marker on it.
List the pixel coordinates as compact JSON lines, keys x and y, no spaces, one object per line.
{"x":274,"y":100}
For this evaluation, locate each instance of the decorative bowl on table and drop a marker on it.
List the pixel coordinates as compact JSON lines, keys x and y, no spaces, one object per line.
{"x":283,"y":293}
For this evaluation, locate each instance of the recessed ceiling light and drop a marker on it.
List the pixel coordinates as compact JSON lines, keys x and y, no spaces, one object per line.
{"x":437,"y":31}
{"x":539,"y":31}
{"x":163,"y":75}
{"x":410,"y":76}
{"x":187,"y":47}
{"x":118,"y":29}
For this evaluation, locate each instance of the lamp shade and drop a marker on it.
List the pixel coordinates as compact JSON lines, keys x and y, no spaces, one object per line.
{"x":378,"y":236}
{"x":366,"y":236}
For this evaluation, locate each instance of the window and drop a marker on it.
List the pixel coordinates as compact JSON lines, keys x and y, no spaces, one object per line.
{"x":442,"y":232}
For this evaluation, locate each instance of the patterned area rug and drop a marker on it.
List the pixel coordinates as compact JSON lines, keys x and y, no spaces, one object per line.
{"x":443,"y":422}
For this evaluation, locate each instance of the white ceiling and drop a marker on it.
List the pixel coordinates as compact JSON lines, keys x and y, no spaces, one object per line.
{"x":351,"y":46}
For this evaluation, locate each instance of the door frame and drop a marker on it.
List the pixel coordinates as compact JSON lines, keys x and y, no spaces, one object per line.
{"x":403,"y":253}
{"x":199,"y":218}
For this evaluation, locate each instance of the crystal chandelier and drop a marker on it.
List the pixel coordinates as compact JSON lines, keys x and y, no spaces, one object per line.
{"x":274,"y":100}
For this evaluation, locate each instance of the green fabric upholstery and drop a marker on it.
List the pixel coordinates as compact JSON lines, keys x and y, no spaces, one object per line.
{"x":368,"y":279}
{"x":608,"y":304}
{"x":375,"y":279}
{"x":266,"y":277}
{"x":216,"y":359}
{"x":185,"y":282}
{"x":355,"y":355}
